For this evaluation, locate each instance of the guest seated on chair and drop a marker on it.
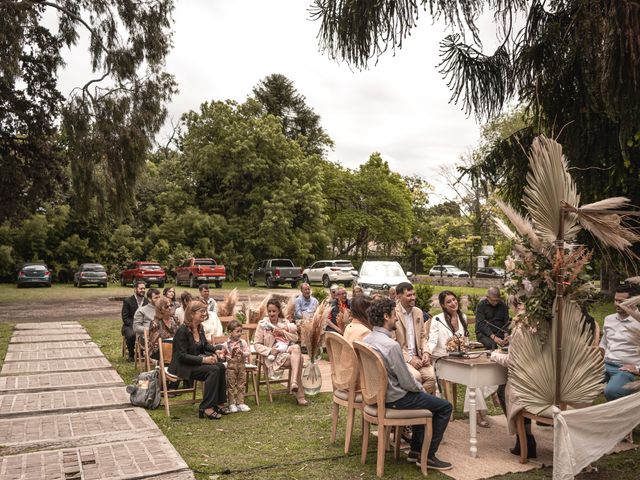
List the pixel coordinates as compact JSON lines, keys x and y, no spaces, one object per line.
{"x":275,"y":326}
{"x":404,"y":391}
{"x":492,"y":320}
{"x":162,"y":326}
{"x":194,"y":359}
{"x":185,"y":298}
{"x":359,"y":326}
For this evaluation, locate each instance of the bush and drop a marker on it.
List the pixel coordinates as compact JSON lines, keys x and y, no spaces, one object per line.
{"x":424,"y":293}
{"x":319,"y":293}
{"x":474,"y":300}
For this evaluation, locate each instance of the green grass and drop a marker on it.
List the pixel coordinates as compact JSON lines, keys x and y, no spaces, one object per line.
{"x":5,"y":334}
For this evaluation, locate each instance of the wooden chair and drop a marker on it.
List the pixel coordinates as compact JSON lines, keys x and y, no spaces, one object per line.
{"x":344,"y":377}
{"x":264,"y":370}
{"x":250,"y":368}
{"x":147,"y":358}
{"x":166,"y":354}
{"x":373,"y":380}
{"x":140,"y":350}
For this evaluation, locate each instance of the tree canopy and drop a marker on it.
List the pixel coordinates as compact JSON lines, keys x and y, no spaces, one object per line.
{"x":102,"y":132}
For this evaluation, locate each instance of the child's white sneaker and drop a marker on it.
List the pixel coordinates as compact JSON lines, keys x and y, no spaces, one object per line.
{"x":243,"y":407}
{"x":271,"y":357}
{"x":233,"y":408}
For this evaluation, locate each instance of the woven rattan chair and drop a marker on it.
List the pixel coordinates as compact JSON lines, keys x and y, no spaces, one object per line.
{"x":373,"y":380}
{"x":344,"y":377}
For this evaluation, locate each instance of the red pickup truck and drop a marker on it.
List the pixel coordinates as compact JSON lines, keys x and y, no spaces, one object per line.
{"x":148,"y":272}
{"x":195,"y":271}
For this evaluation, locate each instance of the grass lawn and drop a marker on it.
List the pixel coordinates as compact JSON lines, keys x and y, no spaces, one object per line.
{"x":282,"y":441}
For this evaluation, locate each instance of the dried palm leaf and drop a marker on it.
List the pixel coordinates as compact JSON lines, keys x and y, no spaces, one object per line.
{"x":608,"y":229}
{"x":630,"y":305}
{"x":612,"y":203}
{"x":633,"y":386}
{"x":504,"y":229}
{"x":226,"y":307}
{"x":261,"y":312}
{"x":523,"y":225}
{"x":532,"y":365}
{"x":312,"y":331}
{"x":290,"y":310}
{"x":549,"y":184}
{"x":634,"y":280}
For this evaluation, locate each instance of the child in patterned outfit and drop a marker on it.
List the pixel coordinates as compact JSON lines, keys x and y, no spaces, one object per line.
{"x":236,"y":352}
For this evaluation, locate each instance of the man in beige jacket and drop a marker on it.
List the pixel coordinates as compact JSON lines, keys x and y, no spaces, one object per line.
{"x":412,"y":333}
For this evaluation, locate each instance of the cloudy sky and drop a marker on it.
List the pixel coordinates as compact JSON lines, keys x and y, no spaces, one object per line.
{"x":399,"y":107}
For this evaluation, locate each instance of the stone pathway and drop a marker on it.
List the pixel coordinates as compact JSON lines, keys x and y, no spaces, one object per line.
{"x":65,"y":415}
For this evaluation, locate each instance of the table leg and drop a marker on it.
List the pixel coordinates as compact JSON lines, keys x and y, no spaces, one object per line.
{"x":472,"y":423}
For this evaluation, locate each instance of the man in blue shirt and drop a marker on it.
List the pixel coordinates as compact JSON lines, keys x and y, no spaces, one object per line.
{"x":305,"y":304}
{"x":403,"y":390}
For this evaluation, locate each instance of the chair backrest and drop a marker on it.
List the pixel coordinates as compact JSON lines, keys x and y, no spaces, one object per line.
{"x":166,"y":351}
{"x":217,"y":339}
{"x":344,"y":362}
{"x":373,"y":375}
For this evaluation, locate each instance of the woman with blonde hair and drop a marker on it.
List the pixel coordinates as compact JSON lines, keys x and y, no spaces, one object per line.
{"x":162,"y":326}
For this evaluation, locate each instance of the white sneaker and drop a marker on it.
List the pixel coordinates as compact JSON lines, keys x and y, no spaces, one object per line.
{"x":243,"y":407}
{"x":233,"y":408}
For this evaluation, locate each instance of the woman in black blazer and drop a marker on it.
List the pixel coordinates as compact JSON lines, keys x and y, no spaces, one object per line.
{"x":194,"y":359}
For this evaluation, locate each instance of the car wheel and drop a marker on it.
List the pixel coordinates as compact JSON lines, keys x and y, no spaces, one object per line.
{"x":347,"y":283}
{"x":305,"y":279}
{"x":104,"y":285}
{"x":252,"y":282}
{"x":122,"y":282}
{"x":218,"y":284}
{"x":161,"y":285}
{"x":192,"y":282}
{"x":48,"y":285}
{"x":294,"y":284}
{"x":75,"y":284}
{"x":19,"y":285}
{"x":326,"y":283}
{"x":270,"y":283}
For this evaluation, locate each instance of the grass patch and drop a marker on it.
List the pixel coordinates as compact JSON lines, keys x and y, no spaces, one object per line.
{"x":5,"y":335}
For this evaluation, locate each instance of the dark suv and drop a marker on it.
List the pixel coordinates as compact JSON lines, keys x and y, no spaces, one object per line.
{"x":34,"y":274}
{"x":90,"y":274}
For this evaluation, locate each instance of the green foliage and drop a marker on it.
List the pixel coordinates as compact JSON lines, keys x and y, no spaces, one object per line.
{"x":424,"y":293}
{"x":430,"y":258}
{"x":319,"y":293}
{"x":473,"y":301}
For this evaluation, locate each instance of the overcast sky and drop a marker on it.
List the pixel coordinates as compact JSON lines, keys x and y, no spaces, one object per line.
{"x":399,"y":107}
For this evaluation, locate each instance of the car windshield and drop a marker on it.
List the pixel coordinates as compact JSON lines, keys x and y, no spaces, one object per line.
{"x":93,"y":268}
{"x":344,"y":264}
{"x":453,"y":269}
{"x":382,"y":269}
{"x":151,"y":266}
{"x":281,"y":263}
{"x":35,"y":268}
{"x":205,"y":261}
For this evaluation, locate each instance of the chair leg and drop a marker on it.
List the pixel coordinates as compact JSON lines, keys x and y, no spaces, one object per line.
{"x":397,"y":438}
{"x":522,"y":437}
{"x":365,"y":440}
{"x":349,"y":430}
{"x":426,"y":443}
{"x":335,"y":413}
{"x":381,"y":451}
{"x":267,"y":382}
{"x":255,"y":387}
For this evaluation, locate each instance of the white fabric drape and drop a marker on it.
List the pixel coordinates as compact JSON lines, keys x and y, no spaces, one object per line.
{"x":582,"y":436}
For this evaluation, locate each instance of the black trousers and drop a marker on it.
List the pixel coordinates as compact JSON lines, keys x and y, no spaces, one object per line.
{"x":486,"y":341}
{"x":215,"y":384}
{"x":130,"y":338}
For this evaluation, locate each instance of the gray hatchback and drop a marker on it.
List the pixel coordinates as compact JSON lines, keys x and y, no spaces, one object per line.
{"x":90,"y":274}
{"x":34,"y":274}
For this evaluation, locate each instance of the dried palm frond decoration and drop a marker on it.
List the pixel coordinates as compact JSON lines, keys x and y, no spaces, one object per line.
{"x":226,"y":307}
{"x":289,"y":310}
{"x":548,"y":276}
{"x":312,"y":331}
{"x":255,"y":315}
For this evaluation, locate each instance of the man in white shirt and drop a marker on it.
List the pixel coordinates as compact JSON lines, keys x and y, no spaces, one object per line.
{"x":305,"y":303}
{"x":620,"y":345}
{"x":411,"y":334}
{"x":212,"y":306}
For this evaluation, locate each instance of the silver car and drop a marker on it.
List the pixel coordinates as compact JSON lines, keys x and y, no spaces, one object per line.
{"x":447,"y":271}
{"x":90,"y":274}
{"x":328,"y":272}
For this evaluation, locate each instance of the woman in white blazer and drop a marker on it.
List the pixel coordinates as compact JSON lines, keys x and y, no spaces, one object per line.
{"x":443,"y":327}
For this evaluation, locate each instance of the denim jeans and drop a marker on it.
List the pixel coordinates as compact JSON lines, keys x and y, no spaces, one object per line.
{"x":616,"y":380}
{"x":441,"y":410}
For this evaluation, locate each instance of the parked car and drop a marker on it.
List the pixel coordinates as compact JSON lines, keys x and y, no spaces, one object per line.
{"x":447,"y":271}
{"x":490,"y":272}
{"x":274,"y":272}
{"x":328,"y":272}
{"x":148,"y":272}
{"x":34,"y":274}
{"x":195,"y":271}
{"x":90,"y":274}
{"x":379,"y":275}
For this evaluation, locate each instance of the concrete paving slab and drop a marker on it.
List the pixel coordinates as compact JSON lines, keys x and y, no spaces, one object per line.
{"x":24,"y":404}
{"x":45,"y":325}
{"x":61,"y":365}
{"x":49,"y":331}
{"x":120,"y":461}
{"x":57,"y":345}
{"x":57,"y":431}
{"x":59,"y":381}
{"x":62,"y":337}
{"x":53,"y":354}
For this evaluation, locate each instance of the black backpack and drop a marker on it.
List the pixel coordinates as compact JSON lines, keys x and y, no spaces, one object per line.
{"x":145,"y":391}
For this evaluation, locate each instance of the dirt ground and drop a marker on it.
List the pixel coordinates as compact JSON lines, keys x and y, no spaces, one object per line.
{"x":100,"y":307}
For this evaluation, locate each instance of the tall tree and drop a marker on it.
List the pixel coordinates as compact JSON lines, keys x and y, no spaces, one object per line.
{"x":280,"y":98}
{"x":108,"y":123}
